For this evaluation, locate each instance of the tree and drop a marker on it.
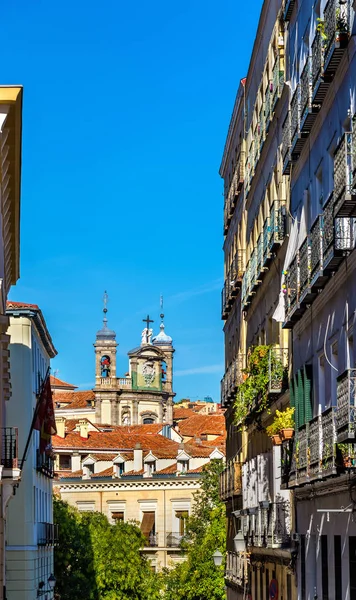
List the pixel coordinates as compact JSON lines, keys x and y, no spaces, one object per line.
{"x":99,"y":561}
{"x":198,"y":578}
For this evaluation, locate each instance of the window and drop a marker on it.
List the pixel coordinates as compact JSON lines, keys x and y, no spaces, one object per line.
{"x":65,"y":462}
{"x":148,"y":421}
{"x":117,"y":516}
{"x":148,"y":526}
{"x":183,"y":466}
{"x":150,"y":468}
{"x":182,"y":516}
{"x":337,"y":567}
{"x":85,"y":506}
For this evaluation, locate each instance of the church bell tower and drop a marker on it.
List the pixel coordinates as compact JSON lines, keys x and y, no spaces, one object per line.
{"x":105,"y":368}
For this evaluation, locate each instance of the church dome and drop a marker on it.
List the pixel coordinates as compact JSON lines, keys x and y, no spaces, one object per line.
{"x":105,"y":333}
{"x":162,"y":339}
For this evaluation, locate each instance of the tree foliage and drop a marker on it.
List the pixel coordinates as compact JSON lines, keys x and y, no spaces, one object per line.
{"x":197,"y":578}
{"x":99,"y":561}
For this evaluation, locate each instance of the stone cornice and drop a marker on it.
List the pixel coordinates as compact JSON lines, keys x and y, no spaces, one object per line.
{"x":121,"y":486}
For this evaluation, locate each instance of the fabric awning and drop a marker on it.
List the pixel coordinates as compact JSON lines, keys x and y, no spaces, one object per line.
{"x":147,"y":524}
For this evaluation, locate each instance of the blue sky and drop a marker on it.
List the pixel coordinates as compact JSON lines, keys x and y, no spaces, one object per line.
{"x":126,"y":109}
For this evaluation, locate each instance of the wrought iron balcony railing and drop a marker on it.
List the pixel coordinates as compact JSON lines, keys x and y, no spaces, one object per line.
{"x":304,"y":269}
{"x":230,"y":482}
{"x":346,"y":406}
{"x":235,"y":568}
{"x":317,"y":56}
{"x":295,"y":114}
{"x":292,"y":286}
{"x":316,"y":252}
{"x":279,"y":525}
{"x":336,"y":22}
{"x":266,"y":246}
{"x":261,"y":131}
{"x":246,"y":287}
{"x":253,"y":269}
{"x":174,"y":539}
{"x":286,"y":144}
{"x":277,"y":227}
{"x":232,"y":283}
{"x":9,"y":447}
{"x":232,"y":379}
{"x":268,"y":105}
{"x":277,"y":80}
{"x":308,"y":108}
{"x":47,"y":534}
{"x":259,"y":251}
{"x":312,"y":454}
{"x":344,"y":191}
{"x":288,"y":9}
{"x":45,"y":464}
{"x":277,"y":370}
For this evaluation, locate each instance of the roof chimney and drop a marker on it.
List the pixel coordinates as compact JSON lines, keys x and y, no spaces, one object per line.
{"x":138,"y":457}
{"x":61,"y":426}
{"x":83,"y":428}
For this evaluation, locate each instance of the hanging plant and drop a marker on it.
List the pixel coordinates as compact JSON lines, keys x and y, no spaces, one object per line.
{"x":263,"y":369}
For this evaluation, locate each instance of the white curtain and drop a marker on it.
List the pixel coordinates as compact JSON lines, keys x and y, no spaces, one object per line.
{"x":279,"y":313}
{"x":312,"y":30}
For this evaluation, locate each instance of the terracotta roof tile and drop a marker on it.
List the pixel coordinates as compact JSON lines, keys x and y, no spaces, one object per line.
{"x":106,"y":473}
{"x":182,"y":413}
{"x":63,"y":384}
{"x":203,"y":424}
{"x":141,"y":472}
{"x":197,"y":470}
{"x":74,"y":400}
{"x":102,"y":456}
{"x":13,"y":305}
{"x":70,"y":474}
{"x":168,"y":470}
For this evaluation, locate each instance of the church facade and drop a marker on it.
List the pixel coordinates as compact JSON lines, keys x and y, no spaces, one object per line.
{"x":144,"y":395}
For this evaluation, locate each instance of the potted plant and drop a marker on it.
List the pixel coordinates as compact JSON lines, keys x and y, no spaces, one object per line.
{"x":348,"y":454}
{"x":273,"y":432}
{"x":286,"y":423}
{"x":342,"y":29}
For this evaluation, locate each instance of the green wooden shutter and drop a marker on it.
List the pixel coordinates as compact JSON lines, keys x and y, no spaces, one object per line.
{"x":296,"y":414}
{"x":308,"y":404}
{"x":301,"y":404}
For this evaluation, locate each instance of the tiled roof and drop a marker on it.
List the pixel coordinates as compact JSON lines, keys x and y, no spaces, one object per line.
{"x":70,"y":474}
{"x":168,"y":470}
{"x":141,"y":472}
{"x":18,"y":305}
{"x":219,"y":441}
{"x":102,"y":456}
{"x":73,"y":400}
{"x":118,"y":440}
{"x":203,"y":424}
{"x":202,"y":450}
{"x":153,"y":428}
{"x":71,"y":424}
{"x":55,"y":382}
{"x":197,"y":470}
{"x":106,"y":473}
{"x":182,"y":413}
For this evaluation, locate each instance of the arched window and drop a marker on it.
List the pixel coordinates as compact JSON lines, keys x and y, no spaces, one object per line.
{"x":148,"y":421}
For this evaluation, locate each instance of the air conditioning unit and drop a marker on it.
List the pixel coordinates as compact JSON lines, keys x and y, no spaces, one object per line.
{"x":295,"y":537}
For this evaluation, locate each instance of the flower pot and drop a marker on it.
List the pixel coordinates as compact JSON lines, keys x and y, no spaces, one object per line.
{"x":276,"y":440}
{"x":347,"y":462}
{"x":341,"y":39}
{"x":287,"y":434}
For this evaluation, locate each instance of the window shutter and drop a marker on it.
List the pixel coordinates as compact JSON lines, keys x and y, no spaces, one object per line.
{"x":301,"y":404}
{"x":308,"y":404}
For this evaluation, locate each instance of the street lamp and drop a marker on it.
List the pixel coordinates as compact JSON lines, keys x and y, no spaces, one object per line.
{"x":239,"y":542}
{"x":218,"y":558}
{"x":51,"y":582}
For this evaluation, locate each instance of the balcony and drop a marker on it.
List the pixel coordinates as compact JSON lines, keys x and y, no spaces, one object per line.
{"x":232,"y":283}
{"x":297,"y":136}
{"x":344,"y":191}
{"x":9,"y":448}
{"x":277,"y":228}
{"x":246,"y":287}
{"x":259,"y":251}
{"x":253,"y":271}
{"x":276,"y":379}
{"x":346,"y":403}
{"x":235,"y":568}
{"x":312,"y":454}
{"x":230,"y":482}
{"x":45,"y":464}
{"x":277,"y":81}
{"x":279,"y":525}
{"x":286,"y":145}
{"x":268,"y":105}
{"x":288,"y":9}
{"x":47,"y":534}
{"x":337,"y":29}
{"x":308,"y":108}
{"x":329,"y":241}
{"x":261,"y":130}
{"x":232,"y":379}
{"x":320,"y":84}
{"x":174,"y":539}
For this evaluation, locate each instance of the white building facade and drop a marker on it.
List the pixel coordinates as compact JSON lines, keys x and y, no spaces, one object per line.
{"x":30,"y":533}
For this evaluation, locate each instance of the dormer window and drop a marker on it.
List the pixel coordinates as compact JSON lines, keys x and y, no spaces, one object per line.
{"x":183,"y":466}
{"x":119,"y":469}
{"x":150,"y":468}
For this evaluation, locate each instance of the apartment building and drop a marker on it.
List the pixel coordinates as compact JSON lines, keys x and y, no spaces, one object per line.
{"x":319,"y":463}
{"x":30,"y":532}
{"x":10,"y":189}
{"x":289,"y":321}
{"x":146,"y":473}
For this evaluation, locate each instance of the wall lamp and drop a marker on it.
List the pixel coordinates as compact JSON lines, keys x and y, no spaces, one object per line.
{"x":51,"y":582}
